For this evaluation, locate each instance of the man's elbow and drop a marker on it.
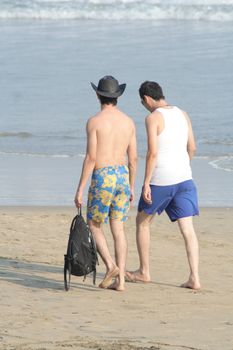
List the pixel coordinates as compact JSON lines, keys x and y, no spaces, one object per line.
{"x":133,"y":161}
{"x":151,"y":155}
{"x":192,"y":150}
{"x":91,"y":158}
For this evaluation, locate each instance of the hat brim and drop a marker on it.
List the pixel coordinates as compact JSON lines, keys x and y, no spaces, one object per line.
{"x":118,"y":93}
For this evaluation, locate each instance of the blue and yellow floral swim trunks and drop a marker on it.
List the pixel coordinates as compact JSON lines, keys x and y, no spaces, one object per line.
{"x":109,"y":194}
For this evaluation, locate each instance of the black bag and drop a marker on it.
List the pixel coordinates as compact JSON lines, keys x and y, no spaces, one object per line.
{"x":81,"y":257}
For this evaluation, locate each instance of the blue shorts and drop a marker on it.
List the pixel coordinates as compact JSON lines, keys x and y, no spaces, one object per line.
{"x":179,"y":201}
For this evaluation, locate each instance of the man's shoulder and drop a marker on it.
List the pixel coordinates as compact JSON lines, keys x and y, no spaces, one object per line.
{"x":181,"y":110}
{"x":185,"y":115}
{"x":153,"y":116}
{"x":126,"y":117}
{"x":92,"y":122}
{"x":94,"y":118}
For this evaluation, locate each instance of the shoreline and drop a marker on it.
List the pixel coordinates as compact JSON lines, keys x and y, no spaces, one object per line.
{"x":68,"y":208}
{"x":53,"y":182}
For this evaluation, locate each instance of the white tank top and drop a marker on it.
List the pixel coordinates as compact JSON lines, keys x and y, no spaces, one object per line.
{"x":172,"y":163}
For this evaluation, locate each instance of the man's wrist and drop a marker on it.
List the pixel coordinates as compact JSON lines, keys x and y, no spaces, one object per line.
{"x":80,"y":189}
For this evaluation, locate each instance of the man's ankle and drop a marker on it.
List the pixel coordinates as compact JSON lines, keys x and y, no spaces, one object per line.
{"x":144,"y":272}
{"x":110,"y":267}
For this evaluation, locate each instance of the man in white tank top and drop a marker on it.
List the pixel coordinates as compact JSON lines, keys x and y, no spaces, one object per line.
{"x":168,"y":183}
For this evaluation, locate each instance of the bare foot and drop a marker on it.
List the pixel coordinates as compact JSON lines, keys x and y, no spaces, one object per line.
{"x":136,"y":276}
{"x":108,"y":277}
{"x":191,"y":284}
{"x":117,"y":286}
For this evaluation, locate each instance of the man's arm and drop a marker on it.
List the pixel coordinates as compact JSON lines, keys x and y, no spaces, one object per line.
{"x":191,"y":145}
{"x":132,"y":161}
{"x":89,"y":161}
{"x":152,"y":130}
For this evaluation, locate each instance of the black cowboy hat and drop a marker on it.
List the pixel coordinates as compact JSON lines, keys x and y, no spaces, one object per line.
{"x":109,"y":87}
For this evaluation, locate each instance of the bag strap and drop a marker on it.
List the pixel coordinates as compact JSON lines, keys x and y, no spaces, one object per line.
{"x":67,"y":269}
{"x":73,"y":223}
{"x":94,"y":276}
{"x":74,"y":219}
{"x":79,"y":211}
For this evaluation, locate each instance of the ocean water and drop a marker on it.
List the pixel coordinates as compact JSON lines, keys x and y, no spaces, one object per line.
{"x":52,"y":50}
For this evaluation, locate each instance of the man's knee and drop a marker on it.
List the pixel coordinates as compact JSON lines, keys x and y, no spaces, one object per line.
{"x":143,"y":219}
{"x":186,"y":226}
{"x":93,"y":224}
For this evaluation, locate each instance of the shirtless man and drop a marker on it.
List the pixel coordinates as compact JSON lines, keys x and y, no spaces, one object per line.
{"x":168,"y":183}
{"x":111,"y":139}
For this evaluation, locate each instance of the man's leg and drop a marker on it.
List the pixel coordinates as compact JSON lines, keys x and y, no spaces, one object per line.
{"x":120,"y":245}
{"x":191,"y":244}
{"x":102,"y":247}
{"x":143,"y":222}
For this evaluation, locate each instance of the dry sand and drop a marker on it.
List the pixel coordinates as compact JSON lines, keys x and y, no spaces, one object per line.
{"x":36,"y":312}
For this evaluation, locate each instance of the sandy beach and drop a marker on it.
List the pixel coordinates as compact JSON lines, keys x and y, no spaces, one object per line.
{"x":36,"y":312}
{"x":50,"y":52}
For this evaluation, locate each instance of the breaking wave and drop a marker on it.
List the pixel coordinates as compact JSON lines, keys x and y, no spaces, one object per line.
{"x":206,"y":10}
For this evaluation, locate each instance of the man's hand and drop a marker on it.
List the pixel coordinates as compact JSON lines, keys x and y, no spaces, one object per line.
{"x":131,"y":198}
{"x":78,"y":198}
{"x":146,"y":194}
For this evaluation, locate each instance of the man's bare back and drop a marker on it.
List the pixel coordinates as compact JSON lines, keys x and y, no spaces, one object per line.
{"x":113,"y":131}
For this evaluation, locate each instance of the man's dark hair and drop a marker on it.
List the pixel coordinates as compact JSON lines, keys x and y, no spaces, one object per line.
{"x":152,"y":89}
{"x":107,"y":100}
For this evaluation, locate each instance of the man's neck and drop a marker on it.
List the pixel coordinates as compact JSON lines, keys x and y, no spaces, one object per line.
{"x":159,"y":104}
{"x":108,"y":106}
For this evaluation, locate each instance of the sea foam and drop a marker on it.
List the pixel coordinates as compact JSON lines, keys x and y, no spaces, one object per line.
{"x":206,"y":10}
